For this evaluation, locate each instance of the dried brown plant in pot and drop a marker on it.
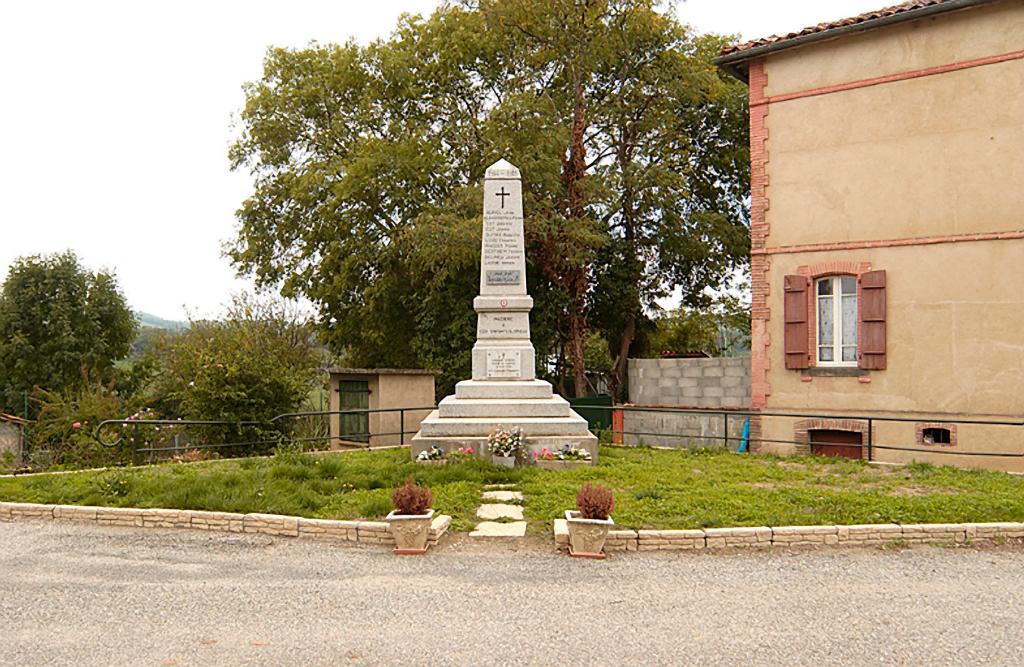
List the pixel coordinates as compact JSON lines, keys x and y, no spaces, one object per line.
{"x":410,"y":498}
{"x":595,"y":501}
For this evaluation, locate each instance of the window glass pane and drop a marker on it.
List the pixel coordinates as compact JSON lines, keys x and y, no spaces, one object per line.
{"x":824,"y":354}
{"x":849,"y":285}
{"x":849,"y":354}
{"x":825,"y":287}
{"x":849,"y":316}
{"x":825,"y":320}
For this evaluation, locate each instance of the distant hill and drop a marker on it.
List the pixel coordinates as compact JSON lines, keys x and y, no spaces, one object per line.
{"x":147,"y":321}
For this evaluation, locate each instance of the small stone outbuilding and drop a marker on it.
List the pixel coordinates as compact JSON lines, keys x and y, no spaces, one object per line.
{"x":389,"y":390}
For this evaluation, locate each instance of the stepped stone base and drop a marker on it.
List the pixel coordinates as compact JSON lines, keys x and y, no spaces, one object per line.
{"x":467,"y":418}
{"x":503,"y":389}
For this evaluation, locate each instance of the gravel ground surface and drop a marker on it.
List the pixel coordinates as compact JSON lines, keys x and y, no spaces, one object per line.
{"x":88,"y":595}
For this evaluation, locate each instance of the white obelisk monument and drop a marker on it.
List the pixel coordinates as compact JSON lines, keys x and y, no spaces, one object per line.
{"x":504,"y":391}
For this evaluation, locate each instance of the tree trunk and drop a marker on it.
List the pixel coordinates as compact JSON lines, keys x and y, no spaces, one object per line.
{"x":577,"y":339}
{"x":624,"y":156}
{"x":573,"y":171}
{"x":622,"y":361}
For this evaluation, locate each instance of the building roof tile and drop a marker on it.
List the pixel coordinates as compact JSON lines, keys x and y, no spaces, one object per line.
{"x":831,"y":25}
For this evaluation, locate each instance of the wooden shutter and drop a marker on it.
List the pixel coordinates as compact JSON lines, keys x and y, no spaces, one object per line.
{"x":872,"y":321}
{"x":795,"y":319}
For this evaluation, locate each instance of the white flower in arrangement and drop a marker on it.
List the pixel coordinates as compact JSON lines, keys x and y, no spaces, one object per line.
{"x":435,"y":453}
{"x":505,"y":442}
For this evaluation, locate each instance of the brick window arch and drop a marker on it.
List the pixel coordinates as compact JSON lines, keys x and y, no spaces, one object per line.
{"x":814,"y":273}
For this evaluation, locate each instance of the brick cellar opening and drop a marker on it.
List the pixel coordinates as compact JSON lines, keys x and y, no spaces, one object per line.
{"x":833,"y":442}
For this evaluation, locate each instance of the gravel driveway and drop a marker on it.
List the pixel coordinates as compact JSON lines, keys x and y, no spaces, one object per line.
{"x":89,"y":595}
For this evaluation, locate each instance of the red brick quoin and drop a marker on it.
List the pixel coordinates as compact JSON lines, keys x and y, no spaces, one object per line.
{"x":759,"y":262}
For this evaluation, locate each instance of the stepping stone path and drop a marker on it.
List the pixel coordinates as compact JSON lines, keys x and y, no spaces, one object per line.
{"x":513,"y":525}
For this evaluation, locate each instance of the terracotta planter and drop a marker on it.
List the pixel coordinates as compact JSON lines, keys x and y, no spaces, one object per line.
{"x":587,"y":536}
{"x":560,"y":465}
{"x":505,"y":461}
{"x":410,"y":531}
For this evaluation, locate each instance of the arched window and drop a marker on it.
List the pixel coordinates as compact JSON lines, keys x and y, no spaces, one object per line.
{"x":836,"y":298}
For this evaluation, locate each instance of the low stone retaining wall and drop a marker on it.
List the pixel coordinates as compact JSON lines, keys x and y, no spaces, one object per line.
{"x":798,"y":536}
{"x":362,"y":532}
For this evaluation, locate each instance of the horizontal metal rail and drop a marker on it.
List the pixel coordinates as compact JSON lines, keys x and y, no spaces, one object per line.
{"x":719,"y":438}
{"x":727,"y":417}
{"x":923,"y":417}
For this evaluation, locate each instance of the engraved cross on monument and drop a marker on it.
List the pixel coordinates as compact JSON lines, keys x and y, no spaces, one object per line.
{"x":503,"y":391}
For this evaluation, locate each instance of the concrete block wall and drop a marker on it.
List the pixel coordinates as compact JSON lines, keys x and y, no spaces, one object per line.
{"x":683,"y":431}
{"x":686,"y":383}
{"x":698,"y":383}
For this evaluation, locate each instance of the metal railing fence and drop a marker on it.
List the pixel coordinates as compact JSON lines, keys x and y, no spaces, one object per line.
{"x":155,"y":438}
{"x":152,"y":440}
{"x":870,"y":444}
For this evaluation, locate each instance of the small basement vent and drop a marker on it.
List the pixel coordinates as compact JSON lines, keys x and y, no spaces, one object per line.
{"x":936,"y":436}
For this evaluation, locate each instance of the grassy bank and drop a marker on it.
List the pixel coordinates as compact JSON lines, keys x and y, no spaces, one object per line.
{"x":654,"y":489}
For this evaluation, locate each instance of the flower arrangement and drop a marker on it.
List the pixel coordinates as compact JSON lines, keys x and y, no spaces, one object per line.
{"x":461,"y":455}
{"x":505,"y":443}
{"x":435,"y":453}
{"x":566,"y":453}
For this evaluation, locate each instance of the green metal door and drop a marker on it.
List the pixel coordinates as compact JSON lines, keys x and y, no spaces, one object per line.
{"x":595,"y":409}
{"x":355,"y":395}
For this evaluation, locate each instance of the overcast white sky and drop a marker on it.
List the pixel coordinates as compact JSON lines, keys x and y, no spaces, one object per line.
{"x":115,"y":122}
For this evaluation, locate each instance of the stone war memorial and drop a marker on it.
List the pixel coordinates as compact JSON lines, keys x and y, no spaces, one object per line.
{"x":504,"y":391}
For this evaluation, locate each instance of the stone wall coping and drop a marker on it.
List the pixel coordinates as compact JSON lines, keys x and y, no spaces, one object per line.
{"x":878,"y":527}
{"x":796,"y":536}
{"x":805,"y":530}
{"x":619,"y":539}
{"x":670,"y":534}
{"x":737,"y":532}
{"x":370,"y":532}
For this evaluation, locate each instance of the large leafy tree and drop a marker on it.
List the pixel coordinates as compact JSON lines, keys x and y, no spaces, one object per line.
{"x":60,"y":324}
{"x":367,"y":163}
{"x":260,"y":360}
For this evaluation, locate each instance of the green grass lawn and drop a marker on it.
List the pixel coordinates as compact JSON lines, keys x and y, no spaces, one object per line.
{"x":653,"y":489}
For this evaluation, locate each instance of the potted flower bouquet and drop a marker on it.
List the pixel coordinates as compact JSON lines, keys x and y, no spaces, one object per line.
{"x":505,"y":445}
{"x":434,"y":456}
{"x":559,"y":459}
{"x":589,"y":525}
{"x":461,"y":455}
{"x":410,"y":520}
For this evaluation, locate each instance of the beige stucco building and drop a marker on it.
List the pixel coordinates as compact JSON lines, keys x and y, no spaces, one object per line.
{"x":887,"y":225}
{"x":385,"y":394}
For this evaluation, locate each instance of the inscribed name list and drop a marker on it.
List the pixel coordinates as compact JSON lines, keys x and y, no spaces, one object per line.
{"x":503,"y":258}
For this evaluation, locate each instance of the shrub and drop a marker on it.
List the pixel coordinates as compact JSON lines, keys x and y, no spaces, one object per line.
{"x":411,"y":498}
{"x":258,"y":362}
{"x":63,"y":431}
{"x":595,"y":501}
